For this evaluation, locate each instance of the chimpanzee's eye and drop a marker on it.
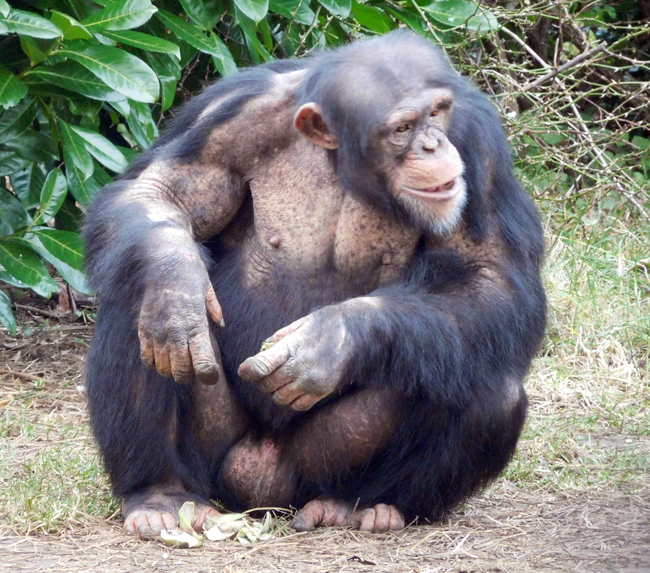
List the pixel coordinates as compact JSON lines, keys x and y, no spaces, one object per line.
{"x":435,"y":112}
{"x":402,"y":128}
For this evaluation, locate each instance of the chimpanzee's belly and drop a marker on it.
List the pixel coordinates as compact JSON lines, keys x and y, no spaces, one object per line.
{"x":254,"y":309}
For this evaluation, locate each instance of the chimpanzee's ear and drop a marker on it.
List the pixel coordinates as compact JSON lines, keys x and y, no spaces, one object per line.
{"x":309,"y":121}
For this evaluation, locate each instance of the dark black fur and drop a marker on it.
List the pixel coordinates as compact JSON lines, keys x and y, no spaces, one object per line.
{"x":446,"y":345}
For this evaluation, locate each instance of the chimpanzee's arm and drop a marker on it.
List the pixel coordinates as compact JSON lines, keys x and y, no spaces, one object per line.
{"x":142,"y":233}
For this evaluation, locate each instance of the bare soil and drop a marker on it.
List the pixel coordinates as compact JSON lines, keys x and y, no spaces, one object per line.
{"x":505,"y":529}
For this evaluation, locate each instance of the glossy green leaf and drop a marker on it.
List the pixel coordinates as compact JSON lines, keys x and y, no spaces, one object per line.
{"x":121,"y":15}
{"x":34,"y":145}
{"x":102,"y":149}
{"x":254,"y":9}
{"x":73,"y":76}
{"x":340,"y":8}
{"x":29,"y":24}
{"x":118,"y":69}
{"x":75,"y":278}
{"x":205,"y":14}
{"x":10,"y":279}
{"x":72,"y":30}
{"x":372,"y":18}
{"x":195,"y":36}
{"x":168,"y":70}
{"x":6,"y":316}
{"x":28,"y":183}
{"x":84,"y":191}
{"x":460,"y":13}
{"x":74,"y":148}
{"x":408,"y":18}
{"x":256,"y":49}
{"x":64,"y":245}
{"x":12,"y":211}
{"x":299,"y":10}
{"x":52,"y":196}
{"x":12,"y":90}
{"x":141,"y":123}
{"x":33,"y":50}
{"x":144,"y":42}
{"x":11,"y":163}
{"x":25,"y":265}
{"x":17,"y":119}
{"x":3,"y":27}
{"x":4,"y":8}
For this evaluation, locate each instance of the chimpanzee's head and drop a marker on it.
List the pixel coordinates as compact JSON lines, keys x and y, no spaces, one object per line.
{"x":384,"y":107}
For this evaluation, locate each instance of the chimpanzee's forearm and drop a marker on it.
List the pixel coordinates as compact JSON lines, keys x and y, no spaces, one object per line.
{"x":442,"y":344}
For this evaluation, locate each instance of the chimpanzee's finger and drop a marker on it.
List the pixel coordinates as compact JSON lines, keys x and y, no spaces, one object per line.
{"x":263,"y":363}
{"x":163,"y":365}
{"x":213,"y":307}
{"x":203,"y":359}
{"x":181,"y":364}
{"x":146,"y":350}
{"x":285,"y":330}
{"x":305,"y":402}
{"x":287,"y":393}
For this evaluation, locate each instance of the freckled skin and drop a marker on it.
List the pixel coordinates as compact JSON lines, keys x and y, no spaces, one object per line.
{"x":358,"y":228}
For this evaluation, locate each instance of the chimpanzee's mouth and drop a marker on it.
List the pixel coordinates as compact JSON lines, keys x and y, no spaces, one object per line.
{"x":446,"y":191}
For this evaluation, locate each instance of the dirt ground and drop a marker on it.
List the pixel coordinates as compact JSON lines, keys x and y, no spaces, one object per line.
{"x":506,"y":529}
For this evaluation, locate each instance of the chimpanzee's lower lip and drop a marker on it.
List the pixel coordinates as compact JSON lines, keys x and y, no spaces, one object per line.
{"x":446,"y":191}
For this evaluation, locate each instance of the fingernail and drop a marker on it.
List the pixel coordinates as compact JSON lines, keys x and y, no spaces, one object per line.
{"x":222,"y":323}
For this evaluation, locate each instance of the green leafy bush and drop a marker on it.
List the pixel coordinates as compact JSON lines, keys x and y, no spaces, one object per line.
{"x":85,"y":85}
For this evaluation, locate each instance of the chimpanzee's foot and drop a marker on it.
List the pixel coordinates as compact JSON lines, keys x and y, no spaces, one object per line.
{"x":149,"y":511}
{"x":332,"y":513}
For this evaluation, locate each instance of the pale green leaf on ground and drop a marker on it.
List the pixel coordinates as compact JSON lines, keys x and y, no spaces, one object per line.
{"x":73,"y":76}
{"x":121,"y":15}
{"x":29,"y":24}
{"x":76,"y":149}
{"x":180,"y":539}
{"x":52,"y":196}
{"x":6,"y":316}
{"x":102,"y":149}
{"x":12,"y":90}
{"x":144,"y":42}
{"x":72,"y":30}
{"x":25,"y":265}
{"x":118,"y":69}
{"x":4,"y":8}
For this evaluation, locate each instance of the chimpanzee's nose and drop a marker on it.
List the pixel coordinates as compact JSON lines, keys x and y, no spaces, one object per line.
{"x":431,"y":140}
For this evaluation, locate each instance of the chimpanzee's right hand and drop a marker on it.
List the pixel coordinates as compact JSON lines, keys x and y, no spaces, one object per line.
{"x":173,"y":328}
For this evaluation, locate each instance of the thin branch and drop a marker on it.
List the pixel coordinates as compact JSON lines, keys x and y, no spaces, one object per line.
{"x":570,"y":64}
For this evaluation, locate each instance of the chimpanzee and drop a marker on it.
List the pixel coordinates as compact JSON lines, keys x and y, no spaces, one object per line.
{"x":357,"y":211}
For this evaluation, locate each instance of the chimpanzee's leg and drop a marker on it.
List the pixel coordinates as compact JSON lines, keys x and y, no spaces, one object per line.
{"x":373,"y":458}
{"x":143,"y":425}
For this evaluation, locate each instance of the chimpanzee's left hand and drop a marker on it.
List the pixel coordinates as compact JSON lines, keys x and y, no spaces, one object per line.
{"x":307,"y":361}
